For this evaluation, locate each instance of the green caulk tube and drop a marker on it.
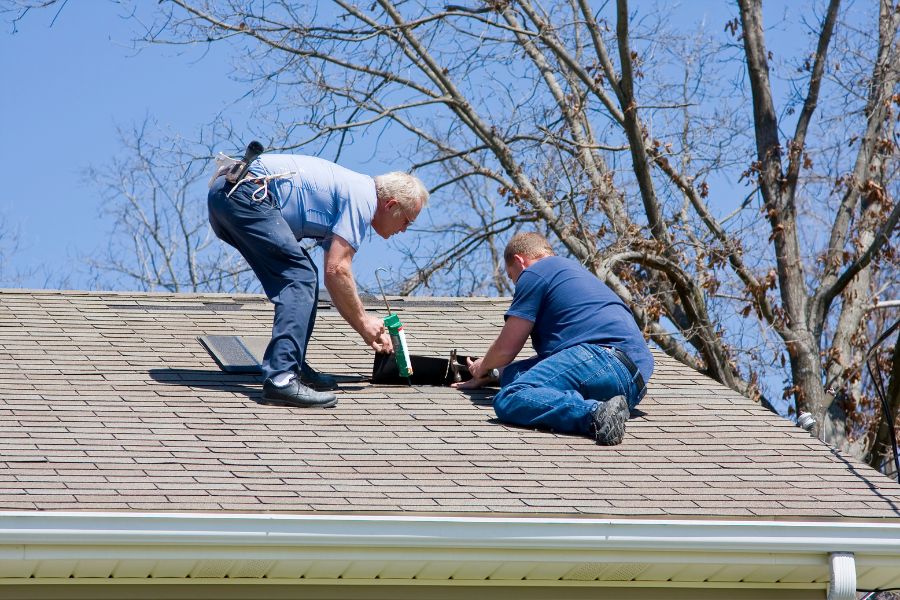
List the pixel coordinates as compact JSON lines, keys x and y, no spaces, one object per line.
{"x":398,"y":339}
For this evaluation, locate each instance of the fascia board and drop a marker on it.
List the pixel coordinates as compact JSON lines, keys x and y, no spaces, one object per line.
{"x":357,"y":532}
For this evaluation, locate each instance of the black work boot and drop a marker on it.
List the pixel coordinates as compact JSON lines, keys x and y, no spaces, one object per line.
{"x":609,"y":421}
{"x":315,"y":379}
{"x":297,"y":394}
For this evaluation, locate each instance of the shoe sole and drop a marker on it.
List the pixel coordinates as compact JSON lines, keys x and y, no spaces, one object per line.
{"x":319,"y":387}
{"x":285,"y":402}
{"x":611,"y":418}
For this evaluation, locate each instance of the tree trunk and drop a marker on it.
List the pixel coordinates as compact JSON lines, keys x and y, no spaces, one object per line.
{"x":882,"y":448}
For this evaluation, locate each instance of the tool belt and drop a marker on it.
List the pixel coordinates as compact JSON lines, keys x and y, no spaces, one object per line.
{"x":632,"y":369}
{"x":236,"y":171}
{"x":227,"y":166}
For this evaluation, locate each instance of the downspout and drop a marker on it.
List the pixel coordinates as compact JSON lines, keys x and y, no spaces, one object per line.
{"x":842,"y":585}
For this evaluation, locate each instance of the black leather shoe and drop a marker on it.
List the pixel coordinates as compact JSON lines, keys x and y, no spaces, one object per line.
{"x":609,"y":421}
{"x":297,"y":394}
{"x":317,"y":380}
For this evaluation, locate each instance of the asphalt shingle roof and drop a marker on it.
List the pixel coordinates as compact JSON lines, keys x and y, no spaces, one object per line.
{"x":109,"y":402}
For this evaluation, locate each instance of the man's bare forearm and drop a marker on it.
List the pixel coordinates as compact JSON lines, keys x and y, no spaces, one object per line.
{"x":505,"y":348}
{"x":340,"y":283}
{"x":342,"y":287}
{"x":498,"y":356}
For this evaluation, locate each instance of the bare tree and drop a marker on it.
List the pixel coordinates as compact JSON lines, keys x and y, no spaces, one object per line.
{"x":628,"y":142}
{"x":864,"y":220}
{"x":161,"y":238}
{"x":14,"y":11}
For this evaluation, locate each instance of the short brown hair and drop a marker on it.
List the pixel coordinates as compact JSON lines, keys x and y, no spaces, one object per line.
{"x":529,"y":244}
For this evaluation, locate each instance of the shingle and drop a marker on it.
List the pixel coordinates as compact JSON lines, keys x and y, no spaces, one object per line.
{"x":105,"y":405}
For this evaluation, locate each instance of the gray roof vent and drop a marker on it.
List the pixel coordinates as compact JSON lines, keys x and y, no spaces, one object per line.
{"x":231,"y":353}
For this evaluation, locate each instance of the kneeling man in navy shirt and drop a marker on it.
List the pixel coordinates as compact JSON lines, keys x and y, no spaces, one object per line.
{"x":592,"y":362}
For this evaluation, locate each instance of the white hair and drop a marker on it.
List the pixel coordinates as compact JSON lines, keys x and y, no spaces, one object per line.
{"x":408,"y":190}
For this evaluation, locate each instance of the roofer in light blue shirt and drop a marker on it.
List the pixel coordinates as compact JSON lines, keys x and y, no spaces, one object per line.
{"x":592,"y":362}
{"x":283,"y":199}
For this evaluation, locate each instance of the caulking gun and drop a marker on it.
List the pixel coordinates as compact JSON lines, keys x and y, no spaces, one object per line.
{"x":398,"y":337}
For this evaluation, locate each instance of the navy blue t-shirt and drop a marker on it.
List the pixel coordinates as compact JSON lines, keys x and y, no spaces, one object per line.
{"x":569,"y":306}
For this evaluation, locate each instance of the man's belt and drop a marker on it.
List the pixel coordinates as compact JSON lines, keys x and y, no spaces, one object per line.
{"x":632,"y":369}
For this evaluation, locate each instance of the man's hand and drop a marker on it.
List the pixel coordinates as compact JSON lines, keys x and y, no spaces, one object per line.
{"x":475,"y":368}
{"x":376,"y":335}
{"x":479,"y":378}
{"x":473,"y":384}
{"x":502,"y":351}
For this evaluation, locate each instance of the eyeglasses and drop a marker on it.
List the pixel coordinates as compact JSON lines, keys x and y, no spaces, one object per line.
{"x":405,"y":216}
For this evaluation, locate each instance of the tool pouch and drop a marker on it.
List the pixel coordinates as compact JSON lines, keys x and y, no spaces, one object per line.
{"x":224,"y":166}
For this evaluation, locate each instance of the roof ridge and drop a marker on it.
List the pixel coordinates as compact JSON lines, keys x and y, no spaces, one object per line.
{"x":237,"y":296}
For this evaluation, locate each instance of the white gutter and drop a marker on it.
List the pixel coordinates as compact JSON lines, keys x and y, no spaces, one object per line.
{"x":340,"y":531}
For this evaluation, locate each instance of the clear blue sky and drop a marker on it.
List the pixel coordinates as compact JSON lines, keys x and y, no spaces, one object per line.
{"x":67,"y":89}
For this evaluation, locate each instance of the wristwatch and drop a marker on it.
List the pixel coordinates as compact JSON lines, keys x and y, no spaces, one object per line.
{"x":495,"y":373}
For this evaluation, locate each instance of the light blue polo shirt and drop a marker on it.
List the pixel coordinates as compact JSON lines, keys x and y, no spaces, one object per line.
{"x":321,"y":199}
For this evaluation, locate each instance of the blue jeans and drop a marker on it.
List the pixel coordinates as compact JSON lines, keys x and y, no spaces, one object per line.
{"x":284,"y":268}
{"x":562,"y":391}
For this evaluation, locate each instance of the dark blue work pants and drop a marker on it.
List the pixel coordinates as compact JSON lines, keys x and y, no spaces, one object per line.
{"x":284,"y":268}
